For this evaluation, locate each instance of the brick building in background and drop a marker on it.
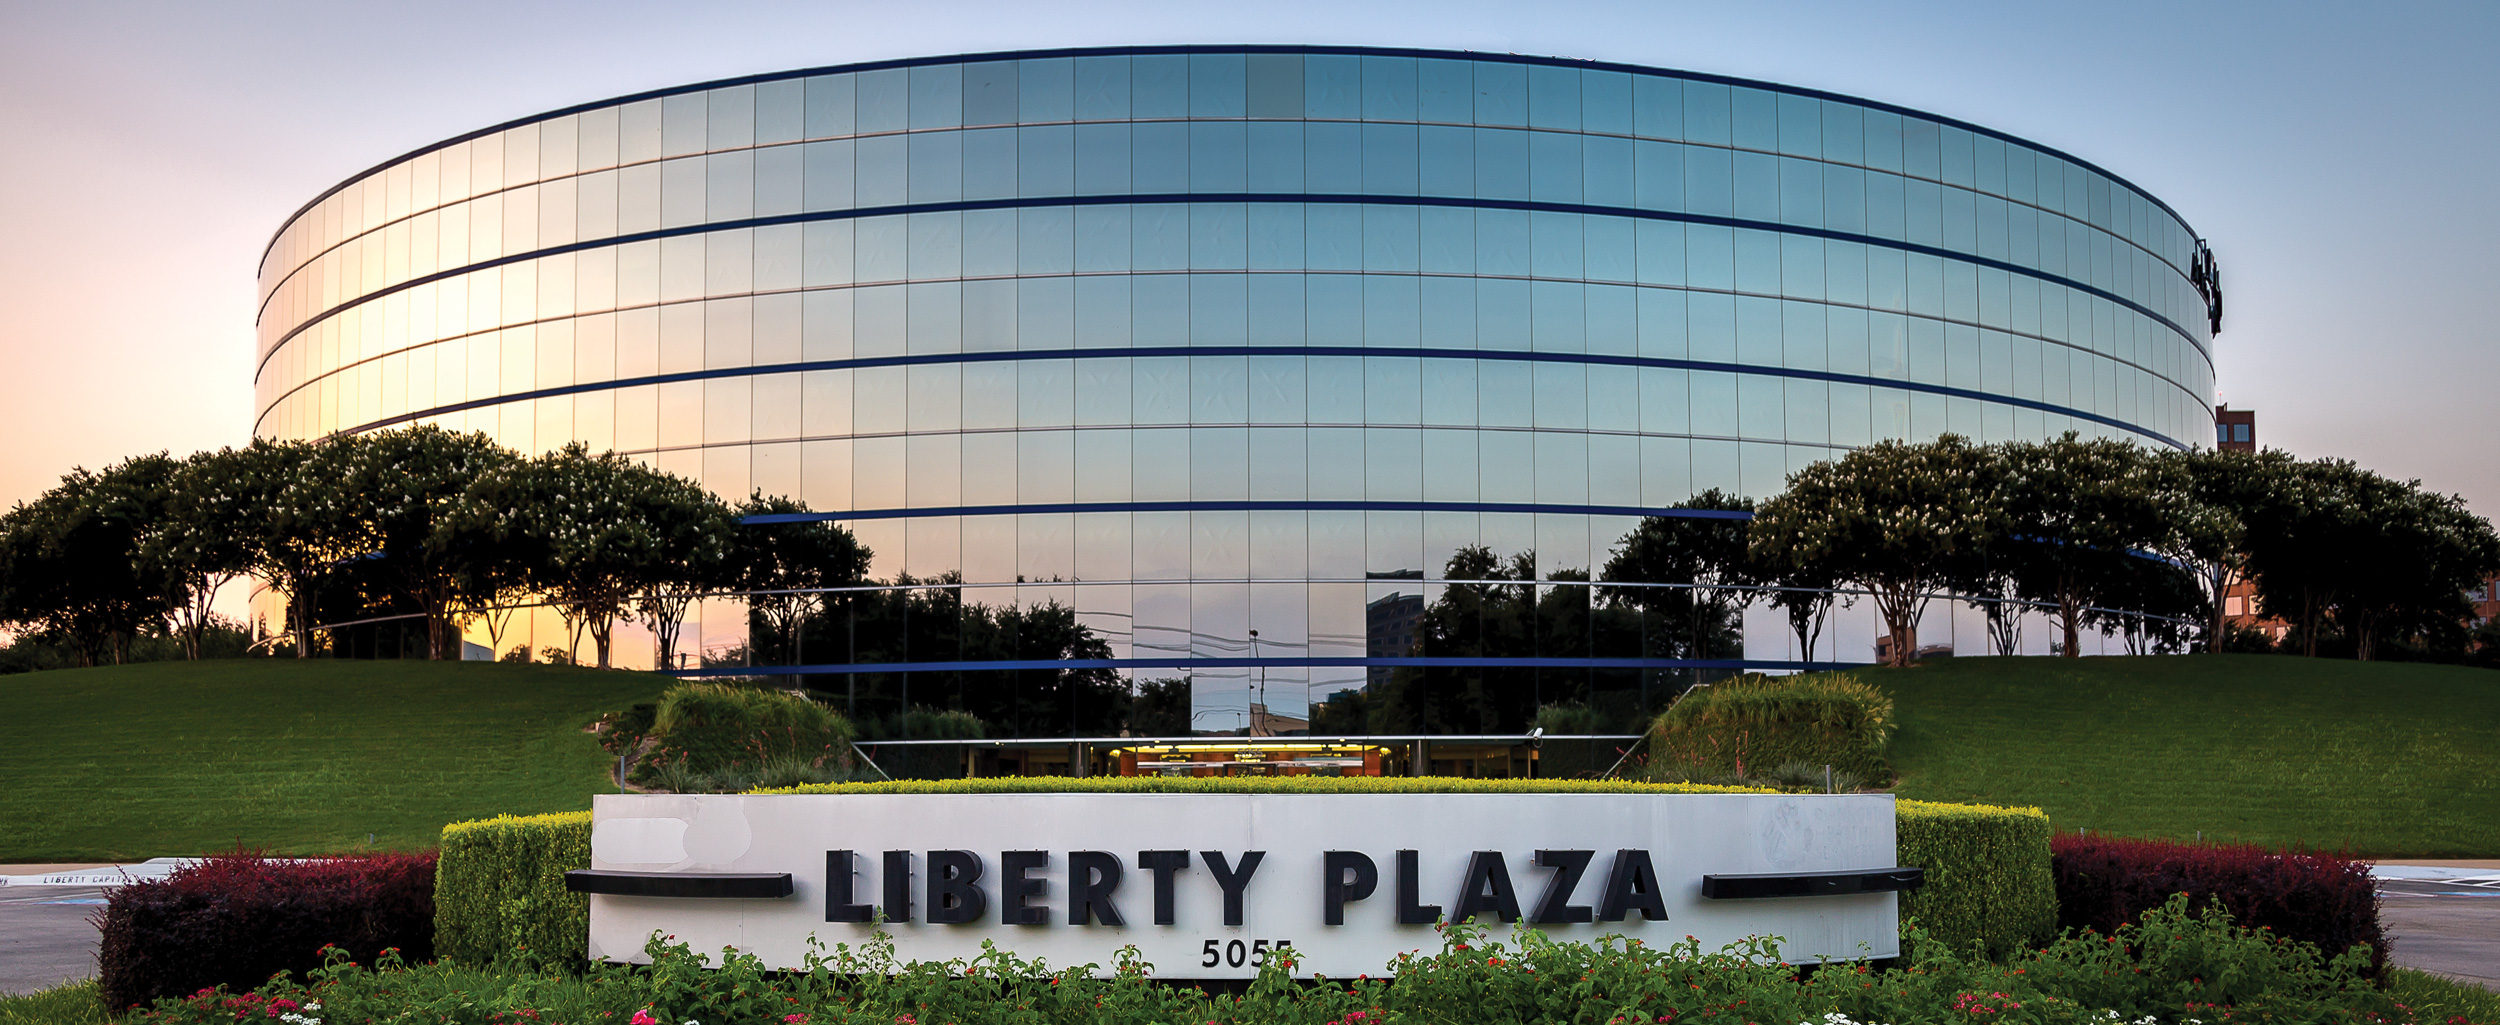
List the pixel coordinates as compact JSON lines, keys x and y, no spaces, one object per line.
{"x":2235,"y":430}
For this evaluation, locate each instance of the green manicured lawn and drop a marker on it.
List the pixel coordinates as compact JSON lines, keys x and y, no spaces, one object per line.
{"x":2374,"y":758}
{"x":175,"y":758}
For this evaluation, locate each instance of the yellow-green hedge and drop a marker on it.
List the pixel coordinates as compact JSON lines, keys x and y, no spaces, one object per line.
{"x":1988,"y":876}
{"x":499,"y":890}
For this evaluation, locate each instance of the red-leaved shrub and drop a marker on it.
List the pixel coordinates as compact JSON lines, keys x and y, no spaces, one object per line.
{"x":2103,"y":882}
{"x":237,"y":919}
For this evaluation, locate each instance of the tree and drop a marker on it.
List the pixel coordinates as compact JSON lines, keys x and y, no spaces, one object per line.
{"x":204,"y":539}
{"x":2204,"y":492}
{"x":2409,"y":565}
{"x":2077,"y":513}
{"x":604,"y":535}
{"x":415,"y":485}
{"x":1895,"y":518}
{"x":2303,"y":523}
{"x":304,"y":523}
{"x":76,"y":560}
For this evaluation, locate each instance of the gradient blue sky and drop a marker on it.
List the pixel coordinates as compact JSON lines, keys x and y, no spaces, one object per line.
{"x":2343,"y":160}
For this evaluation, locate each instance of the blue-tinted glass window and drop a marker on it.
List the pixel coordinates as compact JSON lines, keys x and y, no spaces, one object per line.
{"x":1102,"y":88}
{"x":1501,"y":94}
{"x":1389,"y":89}
{"x":1332,"y":86}
{"x":1216,"y":85}
{"x":1445,"y":91}
{"x":1160,"y":86}
{"x":1553,"y":97}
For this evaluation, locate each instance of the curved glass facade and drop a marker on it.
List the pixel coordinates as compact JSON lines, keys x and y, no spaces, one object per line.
{"x":1216,"y":340}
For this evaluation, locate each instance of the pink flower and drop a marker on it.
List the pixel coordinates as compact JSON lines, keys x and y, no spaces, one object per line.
{"x":643,"y":1017}
{"x":794,"y":1018}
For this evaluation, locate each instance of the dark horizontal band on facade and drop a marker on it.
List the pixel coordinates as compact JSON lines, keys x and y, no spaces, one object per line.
{"x":1142,"y":352}
{"x":1193,"y":50}
{"x":1246,"y":506}
{"x":1187,"y":198}
{"x":1322,"y":662}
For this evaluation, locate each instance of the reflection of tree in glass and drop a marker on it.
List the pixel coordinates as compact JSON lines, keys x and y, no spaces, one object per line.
{"x":928,"y":620}
{"x":1498,"y":619}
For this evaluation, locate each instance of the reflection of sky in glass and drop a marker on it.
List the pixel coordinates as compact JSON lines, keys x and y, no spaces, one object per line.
{"x":1224,"y":375}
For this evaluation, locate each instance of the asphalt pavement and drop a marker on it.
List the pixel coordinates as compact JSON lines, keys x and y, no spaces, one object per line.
{"x":45,"y":936}
{"x":2446,"y":923}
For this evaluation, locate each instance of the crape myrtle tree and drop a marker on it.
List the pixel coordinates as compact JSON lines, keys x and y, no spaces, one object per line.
{"x":74,"y":560}
{"x":298,"y":527}
{"x":1897,"y":519}
{"x":203,"y":539}
{"x":2306,"y":526}
{"x":2204,"y":534}
{"x":413,"y":487}
{"x":2076,"y":514}
{"x":604,"y":536}
{"x":2413,"y":553}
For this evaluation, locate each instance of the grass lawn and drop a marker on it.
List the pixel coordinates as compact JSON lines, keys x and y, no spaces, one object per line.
{"x":2374,"y":758}
{"x":176,"y":758}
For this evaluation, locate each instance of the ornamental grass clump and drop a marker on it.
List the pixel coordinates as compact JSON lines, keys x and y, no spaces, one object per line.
{"x":713,"y":728}
{"x":1750,"y":725}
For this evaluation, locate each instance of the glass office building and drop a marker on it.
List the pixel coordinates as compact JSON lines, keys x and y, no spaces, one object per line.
{"x":1201,"y":341}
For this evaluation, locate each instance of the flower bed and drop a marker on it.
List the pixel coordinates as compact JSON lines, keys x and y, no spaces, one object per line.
{"x":2172,"y":967}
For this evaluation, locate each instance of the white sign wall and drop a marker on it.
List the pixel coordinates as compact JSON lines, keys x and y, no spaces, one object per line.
{"x":1205,"y":884}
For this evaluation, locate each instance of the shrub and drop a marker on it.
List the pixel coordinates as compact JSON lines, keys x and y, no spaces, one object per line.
{"x":1753,"y":722}
{"x":2174,"y":967}
{"x":620,"y":732}
{"x":236,"y":919}
{"x":2104,"y":882}
{"x":707,"y":727}
{"x":499,"y":891}
{"x":1988,"y":883}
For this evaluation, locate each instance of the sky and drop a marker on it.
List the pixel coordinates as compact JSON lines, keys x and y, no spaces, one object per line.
{"x":2340,"y":158}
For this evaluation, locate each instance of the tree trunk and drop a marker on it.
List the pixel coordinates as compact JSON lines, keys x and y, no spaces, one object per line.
{"x":602,"y":631}
{"x":2069,"y":620}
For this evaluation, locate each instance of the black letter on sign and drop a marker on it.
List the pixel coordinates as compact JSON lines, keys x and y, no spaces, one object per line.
{"x":1014,"y":889}
{"x":1487,"y":889}
{"x":1233,"y":880}
{"x":1632,"y":886}
{"x":1092,"y":875}
{"x":1410,"y":893}
{"x":1335,"y":889}
{"x":1555,"y":908}
{"x":897,"y":886}
{"x":955,"y":895}
{"x":839,"y":877}
{"x":1162,"y":864}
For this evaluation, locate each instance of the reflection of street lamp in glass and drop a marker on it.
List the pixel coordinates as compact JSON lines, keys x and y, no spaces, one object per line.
{"x":1255,"y":724}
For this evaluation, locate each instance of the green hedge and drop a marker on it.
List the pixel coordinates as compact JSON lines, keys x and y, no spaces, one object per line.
{"x":1988,"y":880}
{"x":499,"y":890}
{"x":500,"y":884}
{"x":1750,"y":726}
